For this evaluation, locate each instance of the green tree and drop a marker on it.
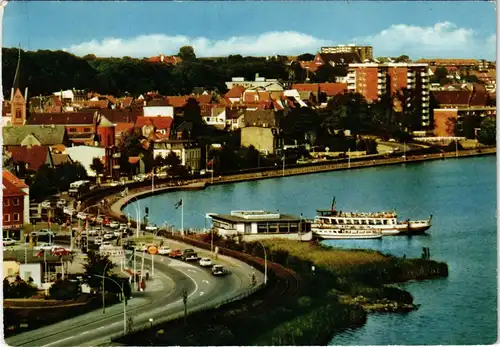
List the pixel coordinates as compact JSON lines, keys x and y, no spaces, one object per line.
{"x":96,"y":264}
{"x":347,"y":111}
{"x":187,"y":53}
{"x":328,"y":73}
{"x":97,"y":166}
{"x":488,"y":133}
{"x":172,"y":160}
{"x":64,"y":290}
{"x":300,"y":124}
{"x":20,"y":289}
{"x":440,"y":76}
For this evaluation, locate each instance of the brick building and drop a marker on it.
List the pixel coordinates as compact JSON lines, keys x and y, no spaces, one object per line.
{"x":15,"y":194}
{"x":364,"y":52}
{"x":374,"y":80}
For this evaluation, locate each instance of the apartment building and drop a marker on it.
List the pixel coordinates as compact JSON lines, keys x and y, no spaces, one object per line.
{"x":411,"y":80}
{"x":364,"y":52}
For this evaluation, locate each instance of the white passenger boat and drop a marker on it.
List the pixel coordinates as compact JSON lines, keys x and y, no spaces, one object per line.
{"x":329,"y":232}
{"x":384,"y":222}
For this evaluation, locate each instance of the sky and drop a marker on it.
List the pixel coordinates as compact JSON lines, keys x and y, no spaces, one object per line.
{"x":420,"y":29}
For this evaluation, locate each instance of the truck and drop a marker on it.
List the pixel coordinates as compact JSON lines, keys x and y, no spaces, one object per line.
{"x":78,"y":188}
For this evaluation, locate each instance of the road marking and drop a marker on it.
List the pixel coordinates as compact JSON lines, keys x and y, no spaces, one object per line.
{"x":201,"y":293}
{"x":205,"y":281}
{"x":191,"y":270}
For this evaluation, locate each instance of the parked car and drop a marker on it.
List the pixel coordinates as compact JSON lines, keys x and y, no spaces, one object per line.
{"x":8,"y":241}
{"x":187,"y":251}
{"x":164,"y":250}
{"x":42,"y":232}
{"x":117,"y":233}
{"x":44,"y":246}
{"x":98,"y":240}
{"x":218,"y":270}
{"x":123,"y":226}
{"x":205,"y":262}
{"x":106,"y":243}
{"x":175,"y":253}
{"x":141,"y":247}
{"x":60,"y":251}
{"x":92,"y":232}
{"x":114,"y":224}
{"x":108,"y":236}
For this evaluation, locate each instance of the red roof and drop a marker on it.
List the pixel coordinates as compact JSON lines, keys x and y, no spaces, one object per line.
{"x":204,"y":99}
{"x":332,"y":89}
{"x":19,"y":183}
{"x":177,"y":101}
{"x":235,"y":92}
{"x":162,"y":123}
{"x":35,"y":156}
{"x":134,"y":160}
{"x":9,"y":188}
{"x":306,"y":87}
{"x":123,"y":127}
{"x":452,"y":97}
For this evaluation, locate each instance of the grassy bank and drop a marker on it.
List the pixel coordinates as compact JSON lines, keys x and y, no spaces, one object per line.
{"x":344,"y":286}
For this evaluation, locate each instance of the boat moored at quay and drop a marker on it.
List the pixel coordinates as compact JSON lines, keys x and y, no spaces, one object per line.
{"x":385,"y":223}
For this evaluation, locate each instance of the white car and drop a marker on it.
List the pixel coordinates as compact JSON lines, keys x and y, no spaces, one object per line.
{"x":8,"y":241}
{"x":68,"y":211}
{"x":46,"y":204}
{"x":204,"y":262}
{"x":117,"y":233}
{"x":151,"y":228}
{"x":106,"y":243}
{"x":92,"y":232}
{"x":44,"y":246}
{"x":108,"y":236}
{"x":98,"y":240}
{"x":164,"y":250}
{"x":114,"y":224}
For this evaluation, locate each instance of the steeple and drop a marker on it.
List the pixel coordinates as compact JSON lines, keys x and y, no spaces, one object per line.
{"x":17,"y":77}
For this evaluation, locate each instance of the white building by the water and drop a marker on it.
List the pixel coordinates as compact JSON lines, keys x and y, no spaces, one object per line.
{"x":255,"y":225}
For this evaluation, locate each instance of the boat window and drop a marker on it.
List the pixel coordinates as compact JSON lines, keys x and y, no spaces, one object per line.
{"x":363,"y":221}
{"x":348,"y":221}
{"x":385,"y":221}
{"x":334,"y":221}
{"x":370,"y":222}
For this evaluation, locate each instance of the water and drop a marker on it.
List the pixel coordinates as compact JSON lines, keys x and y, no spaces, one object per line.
{"x":461,"y":194}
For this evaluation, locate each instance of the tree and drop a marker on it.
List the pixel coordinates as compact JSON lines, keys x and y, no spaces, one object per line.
{"x":95,"y":265}
{"x":97,"y":166}
{"x":306,"y":57}
{"x":19,"y":289}
{"x":347,"y":111}
{"x":300,"y":123}
{"x":328,"y":73}
{"x":440,"y":76}
{"x":488,"y":133}
{"x":64,"y":290}
{"x":186,"y":53}
{"x":172,"y":160}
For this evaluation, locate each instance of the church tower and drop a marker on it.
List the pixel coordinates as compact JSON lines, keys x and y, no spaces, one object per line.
{"x":17,"y":100}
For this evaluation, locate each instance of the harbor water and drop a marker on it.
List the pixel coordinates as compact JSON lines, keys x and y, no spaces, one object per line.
{"x":459,"y":193}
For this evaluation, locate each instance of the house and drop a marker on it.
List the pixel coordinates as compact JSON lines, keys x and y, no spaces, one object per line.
{"x":269,"y":84}
{"x":235,"y":118}
{"x":449,"y":121}
{"x":83,"y":128}
{"x":165,"y":59}
{"x":122,"y":130}
{"x":235,"y":94}
{"x":261,"y":130}
{"x":216,"y":118}
{"x":188,"y":152}
{"x":337,"y":59}
{"x":85,"y":155}
{"x":137,"y":165}
{"x":154,"y":127}
{"x":19,"y":183}
{"x":34,"y":157}
{"x":35,"y":135}
{"x":13,"y":206}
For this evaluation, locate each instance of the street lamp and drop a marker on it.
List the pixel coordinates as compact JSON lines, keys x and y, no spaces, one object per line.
{"x":205,"y":228}
{"x":124,"y":303}
{"x":103,"y":275}
{"x":138,"y":212}
{"x":265,"y":261}
{"x":151,"y":322}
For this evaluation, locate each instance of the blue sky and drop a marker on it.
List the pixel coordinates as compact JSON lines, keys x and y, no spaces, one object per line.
{"x":139,"y":29}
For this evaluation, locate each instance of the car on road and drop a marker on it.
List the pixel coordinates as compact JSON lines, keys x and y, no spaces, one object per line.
{"x":205,"y":262}
{"x":151,"y":228}
{"x":218,"y":270}
{"x":108,"y":236}
{"x":141,"y":247}
{"x":164,"y":250}
{"x":44,"y":246}
{"x":8,"y":241}
{"x":175,"y":253}
{"x":192,"y":256}
{"x":98,"y":240}
{"x":106,"y":243}
{"x":187,"y":251}
{"x":42,"y":232}
{"x":123,"y":226}
{"x":114,"y":224}
{"x":92,"y":232}
{"x":117,"y":233}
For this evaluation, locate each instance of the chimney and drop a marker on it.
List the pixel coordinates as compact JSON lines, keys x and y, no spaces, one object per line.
{"x":26,"y":94}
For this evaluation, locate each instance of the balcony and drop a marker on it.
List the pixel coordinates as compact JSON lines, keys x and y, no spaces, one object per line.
{"x":425,"y":104}
{"x":410,"y":74}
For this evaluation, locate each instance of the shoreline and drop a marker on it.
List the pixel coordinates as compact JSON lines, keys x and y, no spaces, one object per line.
{"x":200,"y":184}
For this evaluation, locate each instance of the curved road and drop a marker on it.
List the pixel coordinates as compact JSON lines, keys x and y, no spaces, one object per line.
{"x":160,"y":303}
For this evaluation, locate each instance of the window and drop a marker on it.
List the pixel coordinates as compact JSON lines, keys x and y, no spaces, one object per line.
{"x":16,"y":217}
{"x":16,"y":201}
{"x":86,"y":130}
{"x":6,"y":217}
{"x":6,"y":202}
{"x":72,"y":130}
{"x":18,"y":113}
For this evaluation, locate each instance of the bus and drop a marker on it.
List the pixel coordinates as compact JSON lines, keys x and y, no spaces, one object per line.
{"x":79,"y":188}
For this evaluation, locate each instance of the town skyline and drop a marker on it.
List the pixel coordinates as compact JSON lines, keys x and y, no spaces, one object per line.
{"x":437,"y":30}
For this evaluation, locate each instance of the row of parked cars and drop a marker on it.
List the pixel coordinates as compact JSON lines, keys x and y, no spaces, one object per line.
{"x":189,"y":255}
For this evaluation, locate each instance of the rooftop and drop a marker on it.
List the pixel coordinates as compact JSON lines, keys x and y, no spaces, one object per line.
{"x":254,"y":216}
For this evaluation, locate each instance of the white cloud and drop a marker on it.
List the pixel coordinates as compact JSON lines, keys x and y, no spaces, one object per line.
{"x":444,"y":39}
{"x":270,"y":43}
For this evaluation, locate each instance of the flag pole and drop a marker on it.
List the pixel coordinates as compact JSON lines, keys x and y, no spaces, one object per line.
{"x":182,"y":217}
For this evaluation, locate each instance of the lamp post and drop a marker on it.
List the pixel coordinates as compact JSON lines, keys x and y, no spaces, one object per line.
{"x":103,"y":296}
{"x":265,"y":261}
{"x":151,"y":323}
{"x":124,"y":303}
{"x":137,"y":210}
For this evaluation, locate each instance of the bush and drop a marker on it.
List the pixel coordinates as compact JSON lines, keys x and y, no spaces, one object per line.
{"x":64,"y":290}
{"x":18,"y":289}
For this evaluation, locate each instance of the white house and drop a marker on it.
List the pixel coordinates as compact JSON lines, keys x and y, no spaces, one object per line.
{"x":188,"y":152}
{"x":217,"y":117}
{"x":85,"y":155}
{"x":33,"y":270}
{"x":158,"y":111}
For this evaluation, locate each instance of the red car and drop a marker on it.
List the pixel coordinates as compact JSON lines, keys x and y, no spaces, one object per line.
{"x":175,"y":253}
{"x":60,"y":251}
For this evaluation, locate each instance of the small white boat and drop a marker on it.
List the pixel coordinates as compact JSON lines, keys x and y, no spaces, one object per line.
{"x":330,"y":232}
